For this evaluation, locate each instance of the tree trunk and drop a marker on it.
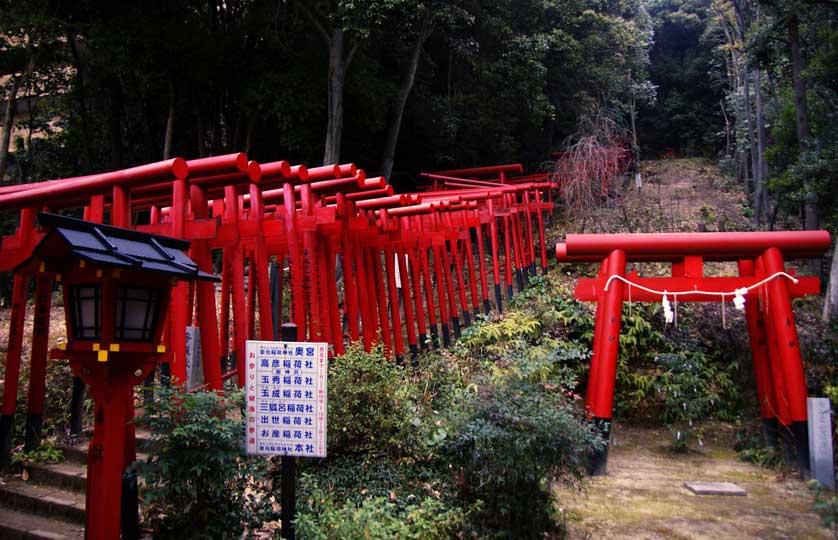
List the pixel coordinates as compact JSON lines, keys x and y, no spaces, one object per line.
{"x":830,"y":303}
{"x":337,"y":80}
{"x":746,"y":76}
{"x":727,"y":127}
{"x":406,"y":87}
{"x":761,"y":173}
{"x":80,"y":95}
{"x":800,"y":109}
{"x":170,"y":124}
{"x":8,"y":125}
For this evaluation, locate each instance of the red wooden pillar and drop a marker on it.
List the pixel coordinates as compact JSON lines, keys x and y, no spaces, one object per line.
{"x":120,"y":207}
{"x":541,"y":239}
{"x":226,"y":278}
{"x":469,"y":254}
{"x":481,"y":269}
{"x":38,"y":360}
{"x":395,"y":316}
{"x":311,"y":265}
{"x":250,"y":310}
{"x":781,"y":399}
{"x":336,"y":333}
{"x":200,"y":252}
{"x":593,"y":374}
{"x":458,"y":274}
{"x":378,"y":288}
{"x":445,"y":294}
{"x":15,"y":343}
{"x":349,"y":261}
{"x":178,"y":310}
{"x":405,"y":279}
{"x":112,"y":387}
{"x":759,"y":354}
{"x":296,"y":260}
{"x":366,"y":287}
{"x":507,"y":255}
{"x":781,"y":314}
{"x":260,"y":264}
{"x":493,"y":237}
{"x":603,"y":401}
{"x":415,"y":281}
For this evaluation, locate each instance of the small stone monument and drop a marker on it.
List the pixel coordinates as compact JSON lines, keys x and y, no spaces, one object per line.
{"x":194,"y":365}
{"x":820,"y":441}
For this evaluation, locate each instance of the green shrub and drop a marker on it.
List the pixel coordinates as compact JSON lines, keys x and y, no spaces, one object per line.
{"x":825,"y":505}
{"x":371,"y":405}
{"x":198,"y":483}
{"x":507,"y":444}
{"x":319,"y":517}
{"x":689,"y":388}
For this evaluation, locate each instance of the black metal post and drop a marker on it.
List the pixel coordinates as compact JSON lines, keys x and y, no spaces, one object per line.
{"x":288,"y":486}
{"x":77,"y":406}
{"x":130,"y":522}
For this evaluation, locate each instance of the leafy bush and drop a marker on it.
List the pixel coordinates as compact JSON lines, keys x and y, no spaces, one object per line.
{"x":48,"y":452}
{"x":507,"y":444}
{"x":825,"y":505}
{"x":321,"y":518}
{"x":751,"y":446}
{"x":371,"y":405}
{"x":690,"y":391}
{"x":199,"y":483}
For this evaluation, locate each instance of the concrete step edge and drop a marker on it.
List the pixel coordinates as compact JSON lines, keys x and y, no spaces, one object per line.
{"x":68,"y":475}
{"x":15,"y":525}
{"x":42,"y":500}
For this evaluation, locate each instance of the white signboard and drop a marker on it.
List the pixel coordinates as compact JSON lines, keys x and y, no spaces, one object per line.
{"x":286,"y":398}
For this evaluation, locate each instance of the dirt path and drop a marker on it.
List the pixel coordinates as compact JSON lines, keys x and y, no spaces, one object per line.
{"x":643,"y":495}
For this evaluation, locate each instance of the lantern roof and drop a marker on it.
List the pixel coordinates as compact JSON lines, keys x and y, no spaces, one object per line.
{"x":106,"y":245}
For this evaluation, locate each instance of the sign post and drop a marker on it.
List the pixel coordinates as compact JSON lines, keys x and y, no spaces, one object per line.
{"x":286,"y":407}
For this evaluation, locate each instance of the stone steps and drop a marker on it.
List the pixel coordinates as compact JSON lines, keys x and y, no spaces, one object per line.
{"x":18,"y":525}
{"x":50,"y":504}
{"x":42,"y":500}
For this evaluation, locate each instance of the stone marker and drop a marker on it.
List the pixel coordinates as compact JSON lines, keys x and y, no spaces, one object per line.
{"x":820,"y":441}
{"x":715,"y":488}
{"x":194,"y":365}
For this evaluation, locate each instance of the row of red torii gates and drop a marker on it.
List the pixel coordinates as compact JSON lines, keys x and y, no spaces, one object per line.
{"x":412,"y":265}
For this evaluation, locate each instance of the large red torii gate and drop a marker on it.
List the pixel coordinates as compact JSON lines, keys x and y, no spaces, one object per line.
{"x":762,"y":282}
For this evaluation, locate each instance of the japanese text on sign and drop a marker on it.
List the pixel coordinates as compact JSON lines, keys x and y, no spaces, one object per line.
{"x":286,"y":398}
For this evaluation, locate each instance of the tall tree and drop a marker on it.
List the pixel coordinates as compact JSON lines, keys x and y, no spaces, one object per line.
{"x":343,"y":25}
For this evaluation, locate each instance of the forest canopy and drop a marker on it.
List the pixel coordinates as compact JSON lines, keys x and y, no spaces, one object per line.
{"x":401,"y":86}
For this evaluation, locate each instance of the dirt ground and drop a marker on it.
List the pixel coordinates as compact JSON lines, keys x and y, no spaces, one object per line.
{"x":642,"y":497}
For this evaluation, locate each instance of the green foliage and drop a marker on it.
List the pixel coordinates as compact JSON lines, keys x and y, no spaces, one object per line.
{"x":507,"y":444}
{"x":825,"y":505}
{"x":371,"y":405}
{"x":689,"y":385}
{"x":321,"y":517}
{"x":751,"y":446}
{"x":199,"y":483}
{"x":48,"y":452}
{"x":379,"y":518}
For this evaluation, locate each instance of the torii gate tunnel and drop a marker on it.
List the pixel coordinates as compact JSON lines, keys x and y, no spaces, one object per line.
{"x":763,"y":283}
{"x":413,"y":265}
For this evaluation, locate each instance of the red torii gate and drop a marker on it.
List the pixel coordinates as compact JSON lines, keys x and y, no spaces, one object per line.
{"x":762,"y":281}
